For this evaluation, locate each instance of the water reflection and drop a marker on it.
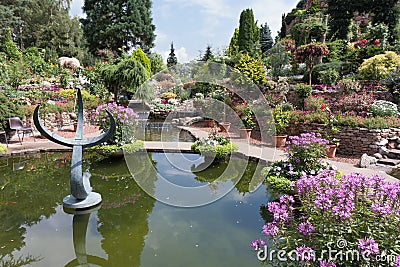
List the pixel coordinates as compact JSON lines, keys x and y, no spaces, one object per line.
{"x":79,"y":230}
{"x":131,"y":228}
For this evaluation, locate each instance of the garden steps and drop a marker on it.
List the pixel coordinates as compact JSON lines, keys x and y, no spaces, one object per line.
{"x":393,"y":153}
{"x":389,"y":162}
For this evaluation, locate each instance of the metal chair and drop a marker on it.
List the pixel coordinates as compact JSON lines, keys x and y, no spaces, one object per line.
{"x":16,"y":124}
{"x":5,"y":136}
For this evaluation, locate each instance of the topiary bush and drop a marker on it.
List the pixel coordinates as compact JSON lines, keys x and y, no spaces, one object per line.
{"x":8,"y":109}
{"x":379,"y":67}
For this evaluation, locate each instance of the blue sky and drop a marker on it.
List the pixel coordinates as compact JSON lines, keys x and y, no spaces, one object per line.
{"x":193,"y":24}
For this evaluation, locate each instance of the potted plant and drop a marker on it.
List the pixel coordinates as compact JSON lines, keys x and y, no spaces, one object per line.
{"x":247,"y":117}
{"x":214,"y":147}
{"x":330,"y":131}
{"x":280,"y":119}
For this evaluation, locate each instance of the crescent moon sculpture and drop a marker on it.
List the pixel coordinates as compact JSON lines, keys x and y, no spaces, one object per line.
{"x":81,"y":196}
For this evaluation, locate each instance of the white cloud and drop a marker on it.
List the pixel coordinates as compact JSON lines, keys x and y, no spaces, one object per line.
{"x":182,"y":56}
{"x":180,"y":53}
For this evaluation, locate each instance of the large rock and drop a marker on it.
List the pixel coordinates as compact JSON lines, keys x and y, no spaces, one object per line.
{"x":366,"y":161}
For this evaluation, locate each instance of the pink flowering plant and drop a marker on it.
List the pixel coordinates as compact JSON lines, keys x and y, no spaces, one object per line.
{"x":355,"y":218}
{"x":126,"y":122}
{"x":304,"y":156}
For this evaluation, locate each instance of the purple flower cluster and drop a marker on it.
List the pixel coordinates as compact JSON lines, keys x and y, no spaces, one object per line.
{"x":368,"y":246}
{"x":270,"y":229}
{"x":121,"y":114}
{"x":306,"y":228}
{"x":281,"y":210}
{"x":397,"y":262}
{"x":340,"y":198}
{"x":305,"y":140}
{"x":257,"y":244}
{"x":305,"y":253}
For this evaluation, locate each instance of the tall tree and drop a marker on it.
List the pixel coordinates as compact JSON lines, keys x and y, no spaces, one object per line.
{"x":249,"y":33}
{"x":266,"y":40}
{"x":172,"y":60}
{"x":118,"y":24}
{"x":208,"y":55}
{"x":47,"y":25}
{"x":11,"y":16}
{"x":282,"y":32}
{"x":233,"y":48}
{"x":156,"y":63}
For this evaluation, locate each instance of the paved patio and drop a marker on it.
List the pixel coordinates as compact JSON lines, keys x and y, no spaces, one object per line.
{"x":264,"y":153}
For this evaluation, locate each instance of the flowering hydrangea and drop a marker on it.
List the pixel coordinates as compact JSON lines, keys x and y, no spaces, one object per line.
{"x":125,"y":118}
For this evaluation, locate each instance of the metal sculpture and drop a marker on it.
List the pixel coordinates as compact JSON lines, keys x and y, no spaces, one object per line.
{"x":81,"y":195}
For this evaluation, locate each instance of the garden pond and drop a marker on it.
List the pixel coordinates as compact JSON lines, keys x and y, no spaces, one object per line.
{"x":130,"y":228}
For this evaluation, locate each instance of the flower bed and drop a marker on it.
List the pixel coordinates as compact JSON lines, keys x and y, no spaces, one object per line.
{"x":354,"y":215}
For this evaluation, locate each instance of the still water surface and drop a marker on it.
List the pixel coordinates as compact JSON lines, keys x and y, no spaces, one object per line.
{"x":130,"y":228}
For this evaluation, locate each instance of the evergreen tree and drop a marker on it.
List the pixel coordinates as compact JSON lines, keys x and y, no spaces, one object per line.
{"x":11,"y":16}
{"x":208,"y":55}
{"x":266,"y":40}
{"x":249,"y":33}
{"x":172,"y":60}
{"x":141,"y":57}
{"x":47,"y":25}
{"x":233,"y":48}
{"x":282,"y":32}
{"x":10,"y":48}
{"x":118,"y":24}
{"x":156,"y":62}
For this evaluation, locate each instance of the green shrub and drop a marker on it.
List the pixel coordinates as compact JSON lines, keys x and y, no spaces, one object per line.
{"x":141,"y":57}
{"x":302,"y":92}
{"x":10,"y":48}
{"x":349,"y":85}
{"x":71,"y":93}
{"x":328,"y":77}
{"x":339,"y":66}
{"x":214,"y":146}
{"x":168,"y":95}
{"x":382,"y":108}
{"x":3,"y":149}
{"x":280,"y":184}
{"x":35,"y":62}
{"x":379,"y":67}
{"x":314,"y":103}
{"x":338,"y":50}
{"x":8,"y":109}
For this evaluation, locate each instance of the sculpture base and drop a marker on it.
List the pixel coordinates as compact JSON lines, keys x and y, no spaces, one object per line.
{"x":93,"y":199}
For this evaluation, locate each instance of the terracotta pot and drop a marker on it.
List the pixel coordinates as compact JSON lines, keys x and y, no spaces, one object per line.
{"x":279,"y":140}
{"x":224,"y":126}
{"x":209,"y":123}
{"x":245,"y":133}
{"x":331,"y":151}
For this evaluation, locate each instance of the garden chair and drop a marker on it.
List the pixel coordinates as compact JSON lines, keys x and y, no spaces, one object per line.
{"x":5,"y":136}
{"x":16,"y":124}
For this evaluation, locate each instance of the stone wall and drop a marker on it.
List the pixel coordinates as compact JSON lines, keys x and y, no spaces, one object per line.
{"x":353,"y":141}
